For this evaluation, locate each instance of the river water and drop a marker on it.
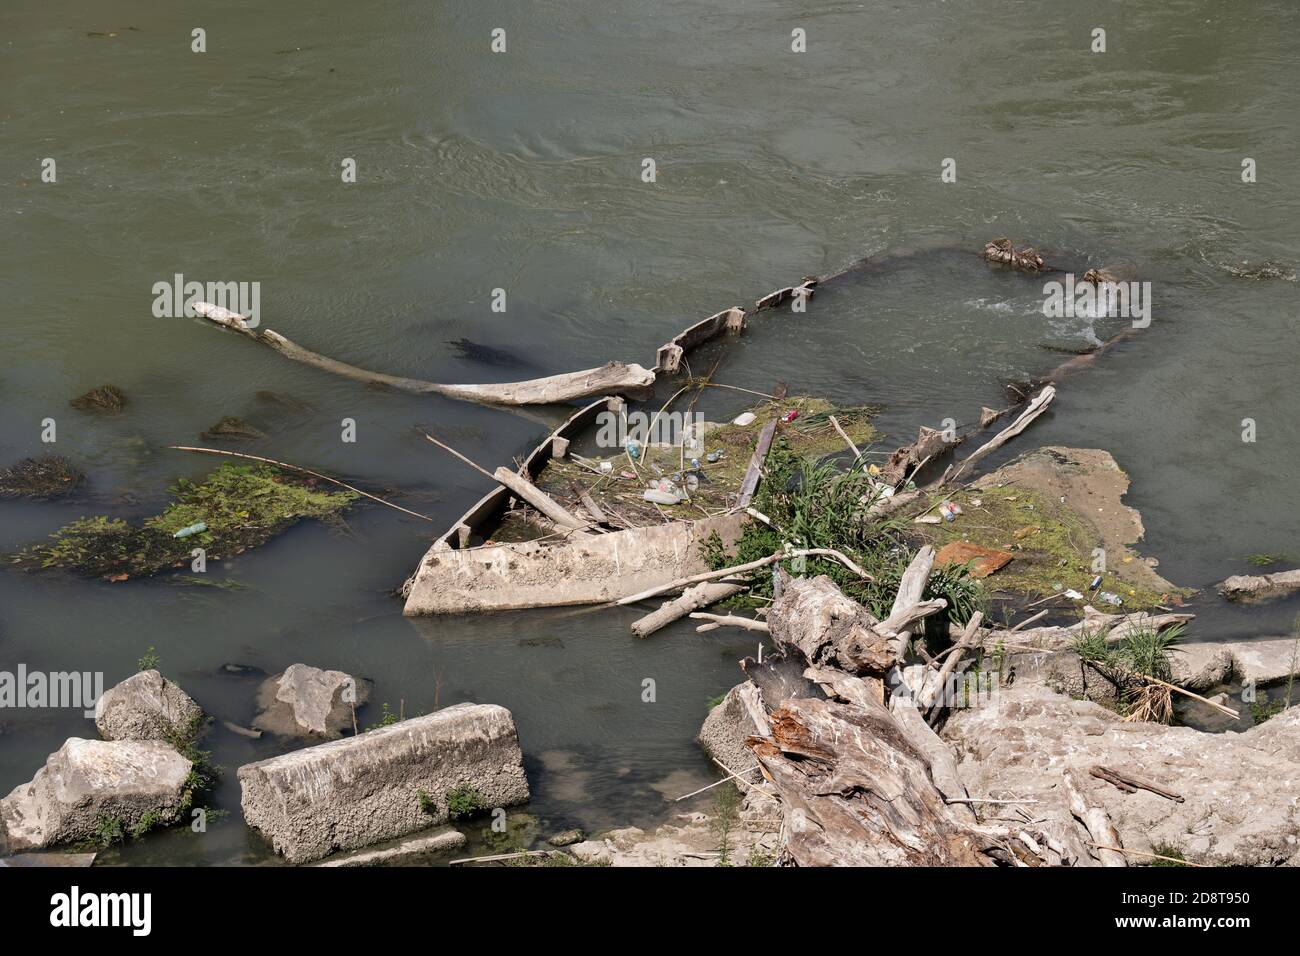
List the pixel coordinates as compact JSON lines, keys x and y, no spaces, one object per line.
{"x":522,"y":170}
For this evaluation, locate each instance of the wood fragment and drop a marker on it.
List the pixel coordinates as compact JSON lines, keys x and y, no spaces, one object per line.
{"x":716,"y":783}
{"x":934,"y":703}
{"x":730,"y":620}
{"x":857,"y":452}
{"x":588,"y":502}
{"x":1096,"y":821}
{"x":523,"y":488}
{"x":749,"y":484}
{"x":500,"y":857}
{"x":692,"y":599}
{"x":539,"y":499}
{"x":1131,"y":784}
{"x":1149,"y":856}
{"x":1035,"y":408}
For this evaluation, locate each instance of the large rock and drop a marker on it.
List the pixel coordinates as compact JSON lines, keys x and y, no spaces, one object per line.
{"x":306,"y":701}
{"x":1239,"y":789}
{"x":385,"y":783}
{"x":146,"y":706}
{"x":1260,"y":587}
{"x":723,"y":734}
{"x":86,"y":781}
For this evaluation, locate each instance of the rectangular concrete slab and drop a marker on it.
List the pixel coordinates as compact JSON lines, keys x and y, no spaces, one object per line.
{"x":386,"y":783}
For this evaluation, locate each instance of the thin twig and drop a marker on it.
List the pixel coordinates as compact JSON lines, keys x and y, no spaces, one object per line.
{"x":729,"y":776}
{"x":1030,"y":620}
{"x":1151,"y":856}
{"x":447,"y":448}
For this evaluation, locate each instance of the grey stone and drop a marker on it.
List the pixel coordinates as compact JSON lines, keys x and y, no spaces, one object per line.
{"x":146,"y":706}
{"x":1260,"y":587}
{"x":1239,"y":788}
{"x":567,"y":838}
{"x":305,"y":701}
{"x":723,"y":734}
{"x":86,"y":780}
{"x":1211,"y":663}
{"x":412,"y":852}
{"x":358,"y":791}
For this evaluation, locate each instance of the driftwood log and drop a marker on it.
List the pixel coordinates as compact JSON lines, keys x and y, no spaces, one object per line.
{"x":1035,"y":408}
{"x":715,"y":621}
{"x":829,"y":629}
{"x":539,"y":499}
{"x":609,"y":379}
{"x":855,"y":792}
{"x":859,"y":778}
{"x":692,"y":599}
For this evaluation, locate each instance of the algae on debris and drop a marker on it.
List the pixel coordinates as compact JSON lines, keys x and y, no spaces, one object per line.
{"x":1060,"y":512}
{"x":241,"y":506}
{"x":38,"y":478}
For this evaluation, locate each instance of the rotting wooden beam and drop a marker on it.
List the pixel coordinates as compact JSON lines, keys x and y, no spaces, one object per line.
{"x":755,"y":470}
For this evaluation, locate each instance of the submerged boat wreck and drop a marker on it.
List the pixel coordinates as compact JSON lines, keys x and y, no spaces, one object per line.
{"x":502,"y":554}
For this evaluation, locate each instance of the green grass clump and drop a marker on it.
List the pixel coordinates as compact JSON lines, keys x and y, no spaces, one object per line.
{"x":1265,"y":708}
{"x":1144,"y":652}
{"x":243,"y":506}
{"x":1175,"y":855}
{"x":465,"y":801}
{"x":109,"y":830}
{"x":815,"y":504}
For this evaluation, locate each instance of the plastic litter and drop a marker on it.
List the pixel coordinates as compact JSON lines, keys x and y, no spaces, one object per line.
{"x":662,"y":497}
{"x":744,"y":418}
{"x":949,"y":511}
{"x":190,"y":529}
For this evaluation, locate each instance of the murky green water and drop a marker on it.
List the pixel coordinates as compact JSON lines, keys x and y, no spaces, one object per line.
{"x":522,"y":171}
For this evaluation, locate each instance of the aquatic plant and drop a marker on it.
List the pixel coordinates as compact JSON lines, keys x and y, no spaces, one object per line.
{"x":386,"y":718}
{"x":1264,"y":560}
{"x":465,"y":801}
{"x":238,"y":506}
{"x":109,"y":830}
{"x":105,"y":398}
